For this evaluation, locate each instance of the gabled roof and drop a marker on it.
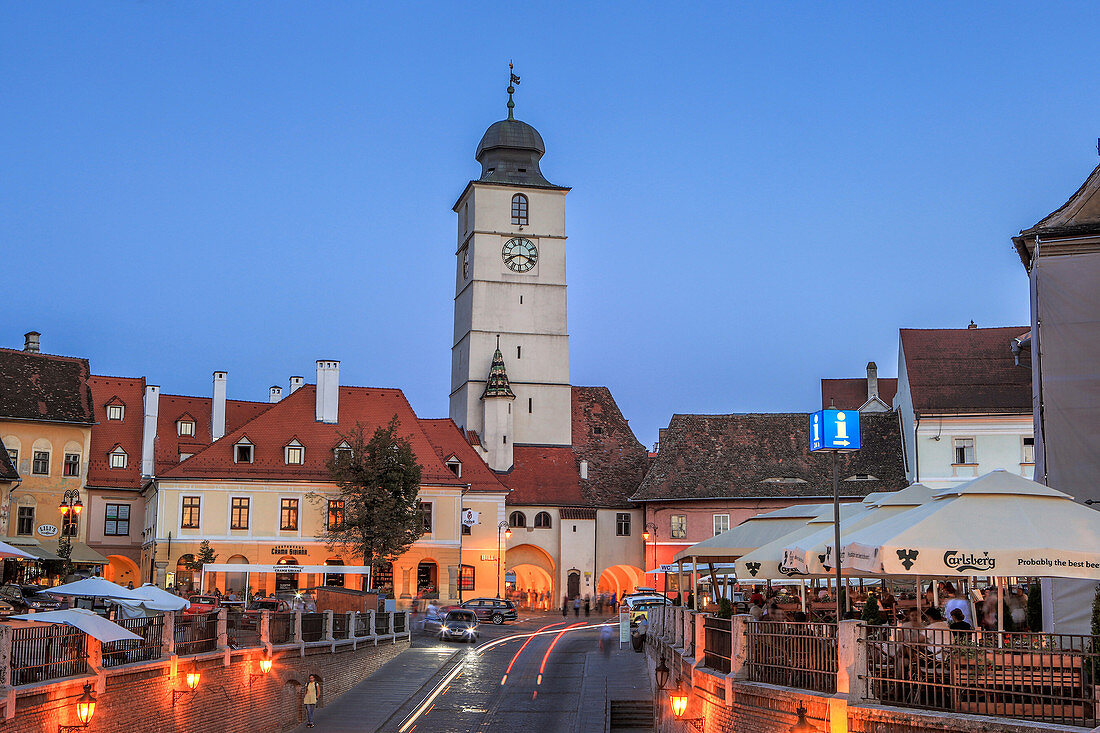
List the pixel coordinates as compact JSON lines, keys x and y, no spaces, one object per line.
{"x":8,"y":471}
{"x":44,"y":387}
{"x":448,"y":442}
{"x":550,"y":475}
{"x":295,"y":415}
{"x":173,"y":407}
{"x":1078,"y":217}
{"x":107,"y":434}
{"x":740,"y":456}
{"x":966,"y":370}
{"x":851,"y":394}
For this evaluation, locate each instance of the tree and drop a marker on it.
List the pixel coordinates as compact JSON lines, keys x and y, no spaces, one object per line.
{"x":379,"y":482}
{"x":206,"y":556}
{"x":65,"y":552}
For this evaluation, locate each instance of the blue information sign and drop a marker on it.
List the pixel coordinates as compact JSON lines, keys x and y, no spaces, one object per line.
{"x":834,"y":430}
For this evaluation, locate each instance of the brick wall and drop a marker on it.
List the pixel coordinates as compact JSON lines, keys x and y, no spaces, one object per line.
{"x":138,"y":698}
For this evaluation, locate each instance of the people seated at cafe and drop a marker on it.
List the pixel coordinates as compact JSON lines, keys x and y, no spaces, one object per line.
{"x":958,"y":621}
{"x":799,"y":617}
{"x":955,"y":603}
{"x":756,"y":610}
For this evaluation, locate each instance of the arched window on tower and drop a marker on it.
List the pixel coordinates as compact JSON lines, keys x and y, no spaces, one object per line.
{"x":519,"y":210}
{"x":543,"y":521}
{"x":517,"y":519}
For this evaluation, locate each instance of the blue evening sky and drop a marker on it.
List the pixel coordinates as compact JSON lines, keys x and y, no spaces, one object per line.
{"x":762,"y":194}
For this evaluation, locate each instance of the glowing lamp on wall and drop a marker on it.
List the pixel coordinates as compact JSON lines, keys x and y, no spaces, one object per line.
{"x":678,"y":699}
{"x":265,"y":665}
{"x":85,"y":709}
{"x":507,"y":533}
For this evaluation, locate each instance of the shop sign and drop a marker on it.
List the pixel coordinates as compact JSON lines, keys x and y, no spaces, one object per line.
{"x":288,"y":550}
{"x":47,"y":530}
{"x":488,"y":558}
{"x":289,"y":569}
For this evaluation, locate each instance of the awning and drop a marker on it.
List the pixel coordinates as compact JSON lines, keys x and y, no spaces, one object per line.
{"x":82,"y":554}
{"x":83,"y":619}
{"x":31,"y":546}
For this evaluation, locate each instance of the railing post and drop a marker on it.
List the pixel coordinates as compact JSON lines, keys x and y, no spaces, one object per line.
{"x":390,"y":628}
{"x":349,"y":624}
{"x":223,"y":628}
{"x":329,"y":634}
{"x":94,"y":649}
{"x":370,"y":624}
{"x":265,"y":629}
{"x":297,"y":627}
{"x":699,"y":641}
{"x":6,"y":689}
{"x":689,"y":633}
{"x":168,"y":633}
{"x":739,"y":646}
{"x":851,"y":658}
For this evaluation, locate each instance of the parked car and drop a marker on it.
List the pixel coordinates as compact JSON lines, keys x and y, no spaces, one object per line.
{"x":259,"y":605}
{"x":28,"y":598}
{"x":638,"y":603}
{"x":6,"y":609}
{"x":460,"y":625}
{"x":496,"y":610}
{"x":203,"y":604}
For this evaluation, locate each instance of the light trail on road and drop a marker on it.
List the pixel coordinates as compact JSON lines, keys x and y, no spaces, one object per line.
{"x":516,"y":655}
{"x":429,"y":701}
{"x":546,"y":656}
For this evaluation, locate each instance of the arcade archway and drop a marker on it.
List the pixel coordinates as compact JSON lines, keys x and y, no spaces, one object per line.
{"x":122,"y":570}
{"x":619,"y":579}
{"x":534,"y":577}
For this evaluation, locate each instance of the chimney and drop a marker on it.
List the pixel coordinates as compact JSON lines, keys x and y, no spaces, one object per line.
{"x":217,"y":406}
{"x":328,"y":391}
{"x":30,"y":342}
{"x":972,"y":324}
{"x":274,"y":394}
{"x":149,"y":430}
{"x":295,"y":384}
{"x":872,"y":381}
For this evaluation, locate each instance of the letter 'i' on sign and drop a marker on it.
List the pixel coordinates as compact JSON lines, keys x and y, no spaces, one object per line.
{"x":834,"y":430}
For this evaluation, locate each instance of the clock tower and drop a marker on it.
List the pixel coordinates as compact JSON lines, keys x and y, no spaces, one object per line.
{"x":510,"y":303}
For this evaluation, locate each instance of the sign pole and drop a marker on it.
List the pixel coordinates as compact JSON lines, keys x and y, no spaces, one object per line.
{"x":836,"y":536}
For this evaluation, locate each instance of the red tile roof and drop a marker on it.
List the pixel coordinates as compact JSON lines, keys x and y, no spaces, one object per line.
{"x":107,"y":434}
{"x":851,"y":394}
{"x":545,"y":476}
{"x":294,"y":419}
{"x":36,"y":386}
{"x":448,"y":440}
{"x":172,"y":407}
{"x":966,"y":370}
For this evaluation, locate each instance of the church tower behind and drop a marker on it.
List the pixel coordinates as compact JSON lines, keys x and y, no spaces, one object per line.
{"x":510,"y":283}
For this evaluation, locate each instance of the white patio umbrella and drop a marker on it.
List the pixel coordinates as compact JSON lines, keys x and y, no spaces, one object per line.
{"x":813,"y":554}
{"x":94,"y":588}
{"x":90,"y":623}
{"x":751,"y":533}
{"x":999,"y":524}
{"x":766,"y":561}
{"x":154,"y":600}
{"x":7,"y":550}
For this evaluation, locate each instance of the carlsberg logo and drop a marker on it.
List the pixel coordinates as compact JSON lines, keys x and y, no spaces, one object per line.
{"x":962,"y":561}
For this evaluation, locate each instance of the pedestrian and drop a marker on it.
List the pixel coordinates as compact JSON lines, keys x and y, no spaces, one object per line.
{"x":605,"y":639}
{"x":564,"y":606}
{"x":310,"y":697}
{"x":577,"y":607}
{"x":587,"y":606}
{"x":130,"y":585}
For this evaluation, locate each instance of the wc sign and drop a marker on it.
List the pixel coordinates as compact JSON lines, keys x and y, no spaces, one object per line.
{"x":834,"y":430}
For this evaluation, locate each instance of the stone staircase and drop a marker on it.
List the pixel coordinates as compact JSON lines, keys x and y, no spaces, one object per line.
{"x":631,"y":715}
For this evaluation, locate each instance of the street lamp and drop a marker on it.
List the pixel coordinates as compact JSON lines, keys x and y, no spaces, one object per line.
{"x":192,"y":679}
{"x":802,"y":725}
{"x":265,"y":667}
{"x":85,"y":708}
{"x":507,"y":534}
{"x":650,"y":531}
{"x":679,"y":700}
{"x":70,"y":502}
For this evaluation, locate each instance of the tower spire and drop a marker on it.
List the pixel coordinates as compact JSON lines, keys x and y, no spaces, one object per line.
{"x":512,"y":80}
{"x":497,"y":385}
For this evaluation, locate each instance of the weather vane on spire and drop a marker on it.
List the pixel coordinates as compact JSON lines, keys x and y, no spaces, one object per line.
{"x":512,"y":80}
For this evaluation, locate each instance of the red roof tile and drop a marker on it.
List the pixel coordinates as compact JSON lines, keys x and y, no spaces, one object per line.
{"x":125,"y":433}
{"x":851,"y":394}
{"x":966,"y":370}
{"x":295,"y":418}
{"x":448,"y":441}
{"x":544,"y":475}
{"x":36,"y":386}
{"x":173,"y":407}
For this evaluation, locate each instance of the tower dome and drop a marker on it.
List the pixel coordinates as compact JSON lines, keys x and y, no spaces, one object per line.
{"x":509,"y":152}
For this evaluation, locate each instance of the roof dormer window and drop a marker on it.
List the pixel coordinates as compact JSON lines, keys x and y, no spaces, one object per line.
{"x":185,"y":427}
{"x":118,"y":457}
{"x":242,"y":451}
{"x":784,"y":480}
{"x":862,"y":477}
{"x":455,"y":465}
{"x":116,"y":411}
{"x":294,"y":453}
{"x":342,"y":453}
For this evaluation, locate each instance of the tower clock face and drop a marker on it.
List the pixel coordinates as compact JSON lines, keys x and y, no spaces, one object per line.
{"x":519,"y":254}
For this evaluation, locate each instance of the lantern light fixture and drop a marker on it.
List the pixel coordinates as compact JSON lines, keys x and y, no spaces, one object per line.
{"x":265,"y":667}
{"x":802,"y":725}
{"x":191,"y":679}
{"x":85,"y":709}
{"x":678,"y":699}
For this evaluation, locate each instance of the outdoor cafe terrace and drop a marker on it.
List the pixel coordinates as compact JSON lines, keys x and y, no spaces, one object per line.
{"x":857,"y":673}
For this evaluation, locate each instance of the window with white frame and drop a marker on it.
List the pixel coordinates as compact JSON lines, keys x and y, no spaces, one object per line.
{"x":455,"y":465}
{"x":964,"y":451}
{"x":678,"y":528}
{"x":115,"y":412}
{"x":342,"y":453}
{"x":118,"y":458}
{"x":721,"y":523}
{"x":71,"y":466}
{"x":116,"y":520}
{"x":185,"y":428}
{"x":294,"y":453}
{"x":41,"y":464}
{"x":1028,"y":454}
{"x":242,"y":451}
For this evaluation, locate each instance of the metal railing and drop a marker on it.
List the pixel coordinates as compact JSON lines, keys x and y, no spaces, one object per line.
{"x":313,"y":626}
{"x":362,"y":624}
{"x":196,"y":633}
{"x":281,"y":628}
{"x":381,"y":623}
{"x":399,"y":622}
{"x":1032,"y":676}
{"x":42,"y":652}
{"x":792,"y":654}
{"x":148,"y":647}
{"x":718,"y":643}
{"x":340,"y":626}
{"x":242,"y":629}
